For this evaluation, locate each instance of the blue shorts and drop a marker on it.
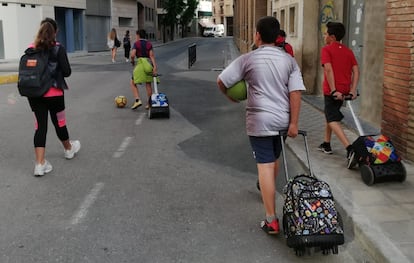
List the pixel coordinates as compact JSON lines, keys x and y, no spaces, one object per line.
{"x":266,"y":149}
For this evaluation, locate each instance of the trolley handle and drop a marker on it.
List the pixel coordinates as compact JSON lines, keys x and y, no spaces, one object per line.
{"x":348,"y":99}
{"x":283,"y":134}
{"x":155,"y":85}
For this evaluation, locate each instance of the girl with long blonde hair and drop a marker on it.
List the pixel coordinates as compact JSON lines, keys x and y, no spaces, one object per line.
{"x":113,"y":43}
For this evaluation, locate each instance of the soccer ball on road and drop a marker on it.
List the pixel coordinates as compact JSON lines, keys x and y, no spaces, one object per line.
{"x":120,"y":101}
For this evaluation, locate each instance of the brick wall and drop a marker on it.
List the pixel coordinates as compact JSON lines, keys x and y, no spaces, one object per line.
{"x":398,"y":103}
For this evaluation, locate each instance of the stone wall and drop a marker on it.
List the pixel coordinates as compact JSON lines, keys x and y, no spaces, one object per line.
{"x":371,"y":79}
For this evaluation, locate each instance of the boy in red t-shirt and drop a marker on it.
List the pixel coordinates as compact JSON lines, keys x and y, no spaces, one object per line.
{"x":341,"y":76}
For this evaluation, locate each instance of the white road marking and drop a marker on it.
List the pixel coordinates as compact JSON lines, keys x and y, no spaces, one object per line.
{"x":140,"y":119}
{"x":86,"y":204}
{"x":122,"y":147}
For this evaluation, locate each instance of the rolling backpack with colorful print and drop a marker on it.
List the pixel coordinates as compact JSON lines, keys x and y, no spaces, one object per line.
{"x":310,"y":215}
{"x":376,"y":157}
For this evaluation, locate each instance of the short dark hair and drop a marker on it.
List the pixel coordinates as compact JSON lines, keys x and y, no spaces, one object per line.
{"x":337,"y":29}
{"x":141,"y":33}
{"x":268,"y":28}
{"x":282,"y":33}
{"x":51,"y":21}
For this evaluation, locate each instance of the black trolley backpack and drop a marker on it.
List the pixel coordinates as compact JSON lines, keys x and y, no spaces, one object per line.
{"x":158,"y":103}
{"x":310,"y":217}
{"x":376,"y":156}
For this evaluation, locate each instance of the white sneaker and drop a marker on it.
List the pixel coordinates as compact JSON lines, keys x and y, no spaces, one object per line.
{"x":41,"y":169}
{"x":126,"y":60}
{"x":69,"y":154}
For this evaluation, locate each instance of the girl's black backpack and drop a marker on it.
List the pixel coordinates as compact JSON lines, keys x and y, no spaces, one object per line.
{"x":36,"y":72}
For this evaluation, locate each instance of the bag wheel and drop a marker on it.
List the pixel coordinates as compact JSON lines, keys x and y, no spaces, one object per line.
{"x":300,"y":251}
{"x":150,"y":114}
{"x":367,"y":174}
{"x":285,"y":225}
{"x":404,"y":173}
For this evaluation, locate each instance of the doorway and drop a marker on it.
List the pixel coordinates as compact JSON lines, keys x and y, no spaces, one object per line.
{"x":355,"y":30}
{"x":1,"y":41}
{"x":355,"y":38}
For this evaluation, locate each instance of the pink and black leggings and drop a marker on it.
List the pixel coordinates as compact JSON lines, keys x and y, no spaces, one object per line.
{"x":41,"y":108}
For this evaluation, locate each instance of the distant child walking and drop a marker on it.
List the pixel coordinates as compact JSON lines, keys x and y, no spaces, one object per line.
{"x":341,"y":76}
{"x":113,"y":43}
{"x":127,"y":45}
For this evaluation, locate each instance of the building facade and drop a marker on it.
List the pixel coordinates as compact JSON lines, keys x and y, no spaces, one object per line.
{"x":384,"y":26}
{"x":147,"y":15}
{"x":16,"y":33}
{"x":223,"y":14}
{"x":204,"y":15}
{"x":83,"y":24}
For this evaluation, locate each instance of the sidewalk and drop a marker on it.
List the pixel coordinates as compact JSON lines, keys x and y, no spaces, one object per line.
{"x":8,"y":71}
{"x":382,"y":214}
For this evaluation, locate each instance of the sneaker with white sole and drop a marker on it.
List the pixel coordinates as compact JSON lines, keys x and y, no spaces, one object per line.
{"x":325,"y":147}
{"x":42,"y":169}
{"x":69,"y":154}
{"x":136,"y":104}
{"x":270,"y":228}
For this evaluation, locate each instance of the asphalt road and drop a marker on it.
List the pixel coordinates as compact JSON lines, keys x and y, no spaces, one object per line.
{"x":162,"y":190}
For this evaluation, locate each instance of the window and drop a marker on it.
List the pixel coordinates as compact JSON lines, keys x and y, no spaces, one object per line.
{"x":125,"y":21}
{"x":149,"y":14}
{"x":282,"y":19}
{"x":292,"y":20}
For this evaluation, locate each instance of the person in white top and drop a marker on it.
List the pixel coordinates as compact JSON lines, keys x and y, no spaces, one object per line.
{"x":113,"y":43}
{"x":274,"y":92}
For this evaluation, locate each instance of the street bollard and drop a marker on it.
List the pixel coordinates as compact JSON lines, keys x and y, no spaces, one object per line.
{"x":192,"y":54}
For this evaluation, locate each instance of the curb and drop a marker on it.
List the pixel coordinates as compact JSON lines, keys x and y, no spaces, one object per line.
{"x":376,"y":244}
{"x":368,"y":234}
{"x":8,"y":79}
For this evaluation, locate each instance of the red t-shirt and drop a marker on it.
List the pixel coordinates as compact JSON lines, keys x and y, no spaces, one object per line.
{"x":342,"y":60}
{"x":281,"y":42}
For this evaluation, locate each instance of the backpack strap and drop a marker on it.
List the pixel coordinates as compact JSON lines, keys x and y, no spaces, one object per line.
{"x":144,"y":52}
{"x":282,"y":45}
{"x":53,"y":63}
